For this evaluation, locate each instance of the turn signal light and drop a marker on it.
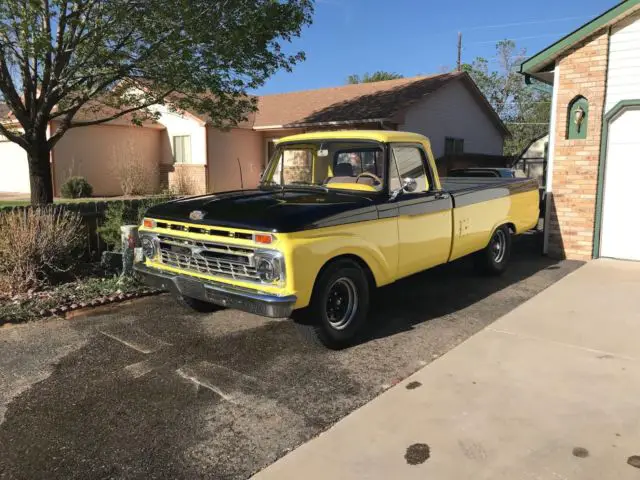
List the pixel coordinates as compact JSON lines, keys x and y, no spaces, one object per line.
{"x":148,"y":223}
{"x":262,"y":238}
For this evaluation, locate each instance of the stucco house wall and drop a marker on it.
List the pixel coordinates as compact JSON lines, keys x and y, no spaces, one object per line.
{"x":103,"y":153}
{"x":452,"y":111}
{"x":192,"y":176}
{"x":236,"y":158}
{"x":14,"y":168}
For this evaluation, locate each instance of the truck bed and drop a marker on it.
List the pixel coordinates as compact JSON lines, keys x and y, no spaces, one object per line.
{"x":469,"y":190}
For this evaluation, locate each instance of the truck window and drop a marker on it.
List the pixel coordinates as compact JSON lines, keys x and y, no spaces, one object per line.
{"x":358,"y":166}
{"x":407,"y":162}
{"x":297,"y":165}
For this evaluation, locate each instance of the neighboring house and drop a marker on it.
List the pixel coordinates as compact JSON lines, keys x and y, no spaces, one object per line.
{"x":448,"y":108}
{"x":533,"y":159}
{"x":593,"y":165}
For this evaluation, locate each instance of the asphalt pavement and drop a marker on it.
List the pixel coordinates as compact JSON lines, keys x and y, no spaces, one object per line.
{"x":149,"y":389}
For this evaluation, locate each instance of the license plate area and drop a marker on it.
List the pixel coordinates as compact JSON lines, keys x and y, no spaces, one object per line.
{"x":192,"y":288}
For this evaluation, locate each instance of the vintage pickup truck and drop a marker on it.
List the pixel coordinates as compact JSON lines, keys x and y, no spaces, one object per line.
{"x":336,"y":215}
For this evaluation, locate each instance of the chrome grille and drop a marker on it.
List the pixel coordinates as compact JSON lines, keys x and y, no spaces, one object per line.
{"x":208,"y":258}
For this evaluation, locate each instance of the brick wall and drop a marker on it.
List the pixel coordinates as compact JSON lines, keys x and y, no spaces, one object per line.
{"x":583,"y":72}
{"x":185,"y":179}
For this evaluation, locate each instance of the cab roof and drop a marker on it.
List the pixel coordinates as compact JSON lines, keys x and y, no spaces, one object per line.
{"x":375,"y":135}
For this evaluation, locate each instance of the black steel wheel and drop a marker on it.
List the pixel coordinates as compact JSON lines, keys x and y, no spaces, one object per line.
{"x":494,"y":259}
{"x":339,"y":306}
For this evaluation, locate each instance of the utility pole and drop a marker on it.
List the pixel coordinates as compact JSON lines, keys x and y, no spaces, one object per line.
{"x":459,"y":51}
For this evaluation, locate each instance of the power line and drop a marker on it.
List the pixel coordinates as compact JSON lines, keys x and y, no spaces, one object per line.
{"x":518,"y":24}
{"x":487,"y":42}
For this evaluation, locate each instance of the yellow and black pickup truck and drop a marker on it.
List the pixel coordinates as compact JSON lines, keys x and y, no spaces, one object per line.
{"x":336,"y":215}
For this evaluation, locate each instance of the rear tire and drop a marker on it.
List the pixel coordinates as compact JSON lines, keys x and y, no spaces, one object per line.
{"x":494,"y":258}
{"x":338,"y":308}
{"x":197,"y":305}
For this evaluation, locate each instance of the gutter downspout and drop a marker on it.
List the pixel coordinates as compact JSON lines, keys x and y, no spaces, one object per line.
{"x":551,"y":157}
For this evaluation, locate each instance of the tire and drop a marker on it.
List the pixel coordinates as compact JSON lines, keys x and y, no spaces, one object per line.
{"x":338,"y":308}
{"x":197,"y":305}
{"x":494,"y":258}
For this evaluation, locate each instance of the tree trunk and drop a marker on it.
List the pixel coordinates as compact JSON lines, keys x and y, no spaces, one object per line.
{"x":40,"y":172}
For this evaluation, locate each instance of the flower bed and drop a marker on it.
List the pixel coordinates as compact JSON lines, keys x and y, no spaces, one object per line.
{"x":90,"y":291}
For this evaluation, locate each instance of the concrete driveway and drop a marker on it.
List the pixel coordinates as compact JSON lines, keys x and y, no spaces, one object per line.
{"x":550,"y":391}
{"x":150,"y":390}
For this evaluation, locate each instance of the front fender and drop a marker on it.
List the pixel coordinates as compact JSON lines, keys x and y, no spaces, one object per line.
{"x":307,"y":252}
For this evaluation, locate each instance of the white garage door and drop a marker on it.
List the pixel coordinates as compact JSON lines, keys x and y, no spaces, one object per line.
{"x":620,"y":237}
{"x":14,"y":169}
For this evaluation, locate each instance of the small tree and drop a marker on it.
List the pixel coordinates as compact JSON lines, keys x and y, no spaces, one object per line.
{"x":378,"y":76}
{"x":136,"y":176}
{"x":524,"y":109}
{"x":110,"y":58}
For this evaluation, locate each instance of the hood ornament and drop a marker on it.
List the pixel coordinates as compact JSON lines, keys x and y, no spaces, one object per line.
{"x":196,"y":215}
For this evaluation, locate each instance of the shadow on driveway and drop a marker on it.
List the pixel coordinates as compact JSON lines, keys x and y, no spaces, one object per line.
{"x":150,"y":390}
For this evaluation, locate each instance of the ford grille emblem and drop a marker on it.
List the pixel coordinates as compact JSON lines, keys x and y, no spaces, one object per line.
{"x":196,"y":215}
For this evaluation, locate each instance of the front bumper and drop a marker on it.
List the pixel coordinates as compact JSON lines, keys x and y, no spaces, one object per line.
{"x":218,"y":293}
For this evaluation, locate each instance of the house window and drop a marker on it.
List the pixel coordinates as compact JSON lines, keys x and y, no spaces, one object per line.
{"x":182,"y":149}
{"x":577,"y":118}
{"x":453,"y":146}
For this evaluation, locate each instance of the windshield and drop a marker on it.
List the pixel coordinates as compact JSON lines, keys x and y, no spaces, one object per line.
{"x":336,"y":165}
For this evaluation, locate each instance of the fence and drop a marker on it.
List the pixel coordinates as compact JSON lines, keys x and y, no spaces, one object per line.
{"x":93,"y":215}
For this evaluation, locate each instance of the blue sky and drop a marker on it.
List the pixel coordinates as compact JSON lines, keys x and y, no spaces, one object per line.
{"x":414,"y":37}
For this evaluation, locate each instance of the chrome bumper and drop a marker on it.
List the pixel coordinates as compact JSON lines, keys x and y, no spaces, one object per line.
{"x":218,"y":293}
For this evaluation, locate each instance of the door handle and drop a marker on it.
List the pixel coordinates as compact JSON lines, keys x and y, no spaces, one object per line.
{"x":441,"y":195}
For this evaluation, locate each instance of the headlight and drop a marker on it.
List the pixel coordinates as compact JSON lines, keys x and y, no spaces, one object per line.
{"x":270,"y":266}
{"x":148,"y":246}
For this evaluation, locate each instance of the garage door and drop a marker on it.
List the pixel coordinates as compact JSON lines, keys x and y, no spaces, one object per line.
{"x":14,"y":170}
{"x":620,"y":236}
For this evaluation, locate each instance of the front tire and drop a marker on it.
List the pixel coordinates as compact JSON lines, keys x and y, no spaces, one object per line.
{"x":494,"y":258}
{"x":338,"y":308}
{"x":197,"y":305}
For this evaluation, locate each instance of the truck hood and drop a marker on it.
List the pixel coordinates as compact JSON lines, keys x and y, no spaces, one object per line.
{"x":271,"y":210}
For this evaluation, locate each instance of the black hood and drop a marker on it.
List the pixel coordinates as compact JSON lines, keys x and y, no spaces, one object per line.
{"x":271,"y":210}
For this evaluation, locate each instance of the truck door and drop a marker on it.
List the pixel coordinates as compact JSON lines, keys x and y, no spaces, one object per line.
{"x":424,"y":214}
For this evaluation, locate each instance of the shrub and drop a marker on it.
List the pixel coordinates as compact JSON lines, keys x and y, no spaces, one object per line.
{"x":38,"y":244}
{"x":182,"y":183}
{"x":125,"y":213}
{"x":76,"y":187}
{"x":135,"y":176}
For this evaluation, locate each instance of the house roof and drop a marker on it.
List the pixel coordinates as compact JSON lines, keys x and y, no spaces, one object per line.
{"x":530,"y":144}
{"x":357,"y":103}
{"x":544,"y":59}
{"x":91,"y":111}
{"x":362,"y":103}
{"x":5,"y":112}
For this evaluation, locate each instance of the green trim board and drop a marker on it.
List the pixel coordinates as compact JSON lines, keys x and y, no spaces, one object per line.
{"x":604,"y":143}
{"x":535,"y":63}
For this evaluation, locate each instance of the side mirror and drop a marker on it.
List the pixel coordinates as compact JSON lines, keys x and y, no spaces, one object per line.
{"x":408,"y":185}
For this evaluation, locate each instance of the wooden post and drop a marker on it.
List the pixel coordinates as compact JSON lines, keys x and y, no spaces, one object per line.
{"x":459,"y":51}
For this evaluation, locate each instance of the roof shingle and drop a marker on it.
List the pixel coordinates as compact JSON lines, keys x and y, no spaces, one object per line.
{"x":362,"y":101}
